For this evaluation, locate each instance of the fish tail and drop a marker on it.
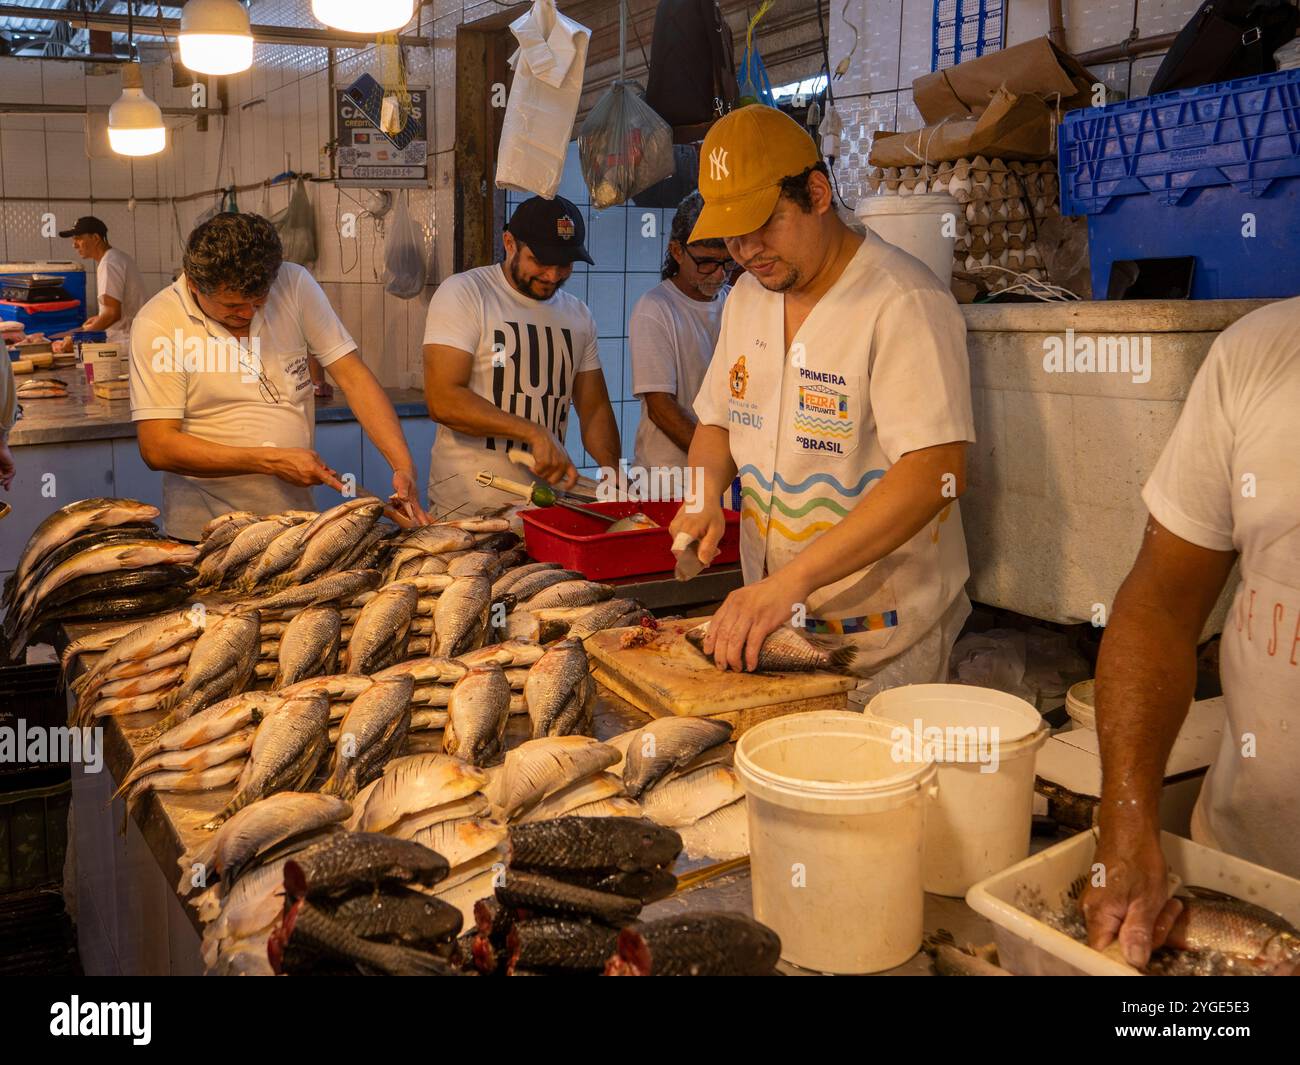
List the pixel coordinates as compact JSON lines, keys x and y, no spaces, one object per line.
{"x":842,"y":659}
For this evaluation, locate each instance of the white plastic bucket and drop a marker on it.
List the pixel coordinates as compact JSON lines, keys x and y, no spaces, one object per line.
{"x":979,"y":823}
{"x":835,"y":832}
{"x":917,"y":225}
{"x":1081,"y":706}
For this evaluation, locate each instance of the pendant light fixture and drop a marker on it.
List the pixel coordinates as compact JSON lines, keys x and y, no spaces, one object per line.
{"x":215,"y":37}
{"x":135,"y":122}
{"x":364,"y":16}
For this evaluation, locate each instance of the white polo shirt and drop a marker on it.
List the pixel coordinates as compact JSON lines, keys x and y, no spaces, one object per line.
{"x":187,"y":367}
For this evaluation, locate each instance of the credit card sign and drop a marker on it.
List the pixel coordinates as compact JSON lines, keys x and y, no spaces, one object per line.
{"x":366,"y":156}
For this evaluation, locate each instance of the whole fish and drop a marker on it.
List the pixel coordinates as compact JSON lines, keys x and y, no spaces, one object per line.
{"x":112,"y":706}
{"x":67,"y":522}
{"x":309,"y":645}
{"x":477,"y":713}
{"x":145,"y":682}
{"x":788,"y":651}
{"x":684,"y":800}
{"x":648,"y":885}
{"x":287,"y":747}
{"x":332,"y":541}
{"x":382,"y":629}
{"x":411,"y":785}
{"x":579,"y":793}
{"x":552,"y":680}
{"x":593,"y":845}
{"x":181,"y":780}
{"x":332,"y":588}
{"x":665,"y":744}
{"x":521,"y":890}
{"x":696,"y":944}
{"x":349,"y":861}
{"x":512,"y":576}
{"x":559,"y":945}
{"x":87,"y":539}
{"x":476,"y":564}
{"x":507,"y":653}
{"x":107,"y":558}
{"x":222,"y":535}
{"x":235,"y":518}
{"x":191,"y":759}
{"x":281,"y":553}
{"x":139,"y":667}
{"x":538,"y":768}
{"x":1212,"y":921}
{"x":427,"y":670}
{"x":251,"y":904}
{"x":213,"y":723}
{"x":430,"y":540}
{"x":369,"y":734}
{"x":336,"y":686}
{"x":91,"y":596}
{"x":460,"y":618}
{"x":220,"y":665}
{"x":365,"y":553}
{"x":429,"y":564}
{"x":407,"y":918}
{"x":144,"y":640}
{"x":253,"y":831}
{"x":538,"y":581}
{"x":570,"y":593}
{"x":328,"y":518}
{"x":614,"y":613}
{"x":249,"y":542}
{"x":473,"y":807}
{"x":719,"y":836}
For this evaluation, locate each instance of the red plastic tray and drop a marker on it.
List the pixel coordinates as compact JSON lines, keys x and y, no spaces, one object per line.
{"x":575,"y":541}
{"x":43,"y":308}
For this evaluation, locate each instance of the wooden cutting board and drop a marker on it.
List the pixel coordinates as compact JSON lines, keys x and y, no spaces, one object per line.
{"x":672,"y":677}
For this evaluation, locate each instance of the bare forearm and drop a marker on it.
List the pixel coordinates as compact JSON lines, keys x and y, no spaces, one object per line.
{"x":600,"y":436}
{"x":192,"y":457}
{"x":462,"y":410}
{"x":101,"y":321}
{"x":902,"y":503}
{"x":710,"y":454}
{"x":668,"y":415}
{"x":379,"y":421}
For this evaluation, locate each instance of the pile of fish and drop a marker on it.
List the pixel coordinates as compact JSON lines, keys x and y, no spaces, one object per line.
{"x":93,"y":560}
{"x":1215,"y":934}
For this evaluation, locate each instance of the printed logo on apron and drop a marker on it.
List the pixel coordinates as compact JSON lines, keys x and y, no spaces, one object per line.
{"x":825,"y":413}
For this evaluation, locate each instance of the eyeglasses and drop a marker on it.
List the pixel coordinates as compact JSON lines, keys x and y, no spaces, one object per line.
{"x":710,"y":266}
{"x":264,"y":384}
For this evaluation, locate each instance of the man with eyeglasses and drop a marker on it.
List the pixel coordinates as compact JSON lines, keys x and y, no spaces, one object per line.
{"x":671,"y":335}
{"x":840,"y":393}
{"x":507,"y":353}
{"x":221,"y":392}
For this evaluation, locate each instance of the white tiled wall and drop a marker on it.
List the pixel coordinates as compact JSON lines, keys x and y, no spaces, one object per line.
{"x":894,"y":47}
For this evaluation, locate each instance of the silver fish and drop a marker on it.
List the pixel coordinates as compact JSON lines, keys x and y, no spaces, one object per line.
{"x":551,"y":681}
{"x":685,"y":800}
{"x":281,"y":553}
{"x":515,"y":574}
{"x":309,"y":646}
{"x":476,"y":564}
{"x":145,"y":682}
{"x":719,"y":836}
{"x":507,"y":653}
{"x":382,"y":629}
{"x":477,"y":715}
{"x":332,"y":588}
{"x":431,"y":540}
{"x":236,"y":518}
{"x":192,"y":759}
{"x":182,"y":780}
{"x":286,"y":750}
{"x":249,"y":542}
{"x":412,"y":785}
{"x":326,"y":518}
{"x":611,"y":614}
{"x":369,"y":734}
{"x":461,"y":618}
{"x":221,"y":664}
{"x":427,"y":670}
{"x":144,"y":641}
{"x":570,"y":593}
{"x":331,"y":542}
{"x":344,"y":686}
{"x":533,"y":583}
{"x":788,"y":651}
{"x":665,"y":744}
{"x":539,"y":768}
{"x":213,"y":723}
{"x":254,"y":830}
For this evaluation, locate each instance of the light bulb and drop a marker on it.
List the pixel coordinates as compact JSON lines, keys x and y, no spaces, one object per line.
{"x":215,"y":37}
{"x":364,"y":16}
{"x":135,"y":122}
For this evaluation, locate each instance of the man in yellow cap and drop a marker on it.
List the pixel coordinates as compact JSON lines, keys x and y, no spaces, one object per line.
{"x":840,"y":393}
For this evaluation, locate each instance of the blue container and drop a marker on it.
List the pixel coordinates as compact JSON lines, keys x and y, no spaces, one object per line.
{"x":38,"y":321}
{"x":1211,"y":172}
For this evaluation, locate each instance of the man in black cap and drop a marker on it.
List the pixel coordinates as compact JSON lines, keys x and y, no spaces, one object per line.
{"x":118,"y":283}
{"x":505,"y":353}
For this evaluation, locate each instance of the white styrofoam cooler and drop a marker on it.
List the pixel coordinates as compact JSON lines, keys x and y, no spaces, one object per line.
{"x":1052,"y":511}
{"x":1028,"y":947}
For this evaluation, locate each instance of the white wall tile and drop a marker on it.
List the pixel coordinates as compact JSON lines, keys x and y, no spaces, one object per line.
{"x":67,"y":169}
{"x":611,"y":362}
{"x":605,"y":298}
{"x":607,"y":239}
{"x":22,"y":154}
{"x":917,"y":41}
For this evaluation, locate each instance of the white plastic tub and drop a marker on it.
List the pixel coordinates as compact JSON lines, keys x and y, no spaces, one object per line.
{"x":1081,"y":706}
{"x":1029,"y":947}
{"x":835,"y":833}
{"x":918,"y":225}
{"x":981,"y":819}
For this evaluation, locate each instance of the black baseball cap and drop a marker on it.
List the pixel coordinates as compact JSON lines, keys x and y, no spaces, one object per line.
{"x":85,"y":226}
{"x":553,"y":230}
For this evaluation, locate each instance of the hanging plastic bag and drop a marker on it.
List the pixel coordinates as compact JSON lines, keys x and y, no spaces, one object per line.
{"x":403,"y":254}
{"x":543,"y":102}
{"x":624,"y":146}
{"x":755,"y":86}
{"x":296,"y":225}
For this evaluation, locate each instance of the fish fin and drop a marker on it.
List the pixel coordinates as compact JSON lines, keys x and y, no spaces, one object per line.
{"x":842,"y":659}
{"x":1208,"y":894}
{"x":940,"y":938}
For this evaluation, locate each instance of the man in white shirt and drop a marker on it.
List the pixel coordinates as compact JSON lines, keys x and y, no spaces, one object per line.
{"x":1226,"y":489}
{"x":506,"y":353}
{"x":671,"y":335}
{"x":221,"y":393}
{"x":840,"y":394}
{"x":118,"y":284}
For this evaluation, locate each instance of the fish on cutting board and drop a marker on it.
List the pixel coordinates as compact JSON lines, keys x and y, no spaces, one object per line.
{"x":788,"y":651}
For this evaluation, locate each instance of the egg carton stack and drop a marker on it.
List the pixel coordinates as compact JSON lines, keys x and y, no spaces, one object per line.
{"x":1003,"y":202}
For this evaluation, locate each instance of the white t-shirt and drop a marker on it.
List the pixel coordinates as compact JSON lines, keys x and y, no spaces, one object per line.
{"x":540,"y":345}
{"x":878,"y":369}
{"x":671,"y":338}
{"x":186,"y":366}
{"x":1229,"y":480}
{"x":116,"y":275}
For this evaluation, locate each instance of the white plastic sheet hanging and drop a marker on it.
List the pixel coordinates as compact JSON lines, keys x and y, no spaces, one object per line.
{"x":549,"y":67}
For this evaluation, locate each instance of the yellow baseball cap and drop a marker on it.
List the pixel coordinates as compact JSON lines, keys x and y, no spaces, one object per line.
{"x":742,"y":162}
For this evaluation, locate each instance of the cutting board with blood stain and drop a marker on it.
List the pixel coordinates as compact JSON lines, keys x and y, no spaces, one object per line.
{"x":669,"y":676}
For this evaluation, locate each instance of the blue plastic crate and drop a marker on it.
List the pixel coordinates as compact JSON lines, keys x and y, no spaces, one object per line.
{"x":1192,"y":172}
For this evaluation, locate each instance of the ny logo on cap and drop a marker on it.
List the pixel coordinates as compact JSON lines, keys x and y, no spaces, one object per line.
{"x":564,"y":227}
{"x":718,"y":164}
